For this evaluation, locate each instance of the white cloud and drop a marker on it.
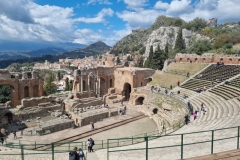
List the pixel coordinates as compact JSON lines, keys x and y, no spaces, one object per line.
{"x":100,"y":18}
{"x":178,"y":7}
{"x":87,"y":36}
{"x":142,"y":18}
{"x":161,"y":5}
{"x":98,"y":1}
{"x":135,"y":4}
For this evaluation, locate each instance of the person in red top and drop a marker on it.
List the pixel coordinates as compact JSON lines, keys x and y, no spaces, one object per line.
{"x":178,"y":83}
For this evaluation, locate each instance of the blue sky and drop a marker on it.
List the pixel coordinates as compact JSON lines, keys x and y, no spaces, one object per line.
{"x":88,"y":21}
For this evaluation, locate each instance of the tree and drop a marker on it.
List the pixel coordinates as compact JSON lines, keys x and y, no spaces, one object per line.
{"x":201,"y":46}
{"x":118,"y":60}
{"x":49,"y":86}
{"x":126,"y":64}
{"x":139,"y":62}
{"x":67,"y":87}
{"x":4,"y":93}
{"x":142,"y":50}
{"x":58,"y":75}
{"x":179,"y":44}
{"x":70,"y":85}
{"x":147,"y":63}
{"x":166,"y":50}
{"x":198,"y":24}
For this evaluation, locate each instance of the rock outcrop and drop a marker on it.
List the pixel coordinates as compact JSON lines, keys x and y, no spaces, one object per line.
{"x":164,"y":35}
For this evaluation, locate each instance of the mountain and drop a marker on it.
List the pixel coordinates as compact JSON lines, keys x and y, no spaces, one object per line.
{"x":198,"y":36}
{"x":91,"y":50}
{"x":23,"y":49}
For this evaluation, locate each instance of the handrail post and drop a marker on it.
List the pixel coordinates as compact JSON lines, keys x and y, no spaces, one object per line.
{"x":238,"y":139}
{"x":52,"y":151}
{"x":22,"y":152}
{"x":212,"y":141}
{"x":146,"y":139}
{"x":107,"y":149}
{"x":181,"y":146}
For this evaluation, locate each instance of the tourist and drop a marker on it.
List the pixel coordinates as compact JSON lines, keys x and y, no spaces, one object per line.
{"x":189,"y":105}
{"x":194,"y":115}
{"x":92,"y":125}
{"x":159,"y":90}
{"x":81,"y":154}
{"x":91,"y":144}
{"x":166,"y":91}
{"x":73,"y":155}
{"x":188,"y":74}
{"x":185,"y":96}
{"x":212,"y":84}
{"x":171,"y":94}
{"x":186,"y":119}
{"x":120,"y":111}
{"x":203,"y":109}
{"x":178,"y":92}
{"x":178,"y":83}
{"x":15,"y":134}
{"x":123,"y":112}
{"x":2,"y":140}
{"x":204,"y":88}
{"x":171,"y":87}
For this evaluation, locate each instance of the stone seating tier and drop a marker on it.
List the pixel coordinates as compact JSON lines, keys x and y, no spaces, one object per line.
{"x":226,"y":91}
{"x":193,"y":84}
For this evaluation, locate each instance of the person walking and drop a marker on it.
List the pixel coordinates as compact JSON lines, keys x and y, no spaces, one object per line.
{"x":92,"y":143}
{"x":89,"y":145}
{"x":186,"y":119}
{"x":92,"y":125}
{"x":14,"y":134}
{"x":81,"y":154}
{"x":2,"y":140}
{"x":178,"y":83}
{"x":73,"y":155}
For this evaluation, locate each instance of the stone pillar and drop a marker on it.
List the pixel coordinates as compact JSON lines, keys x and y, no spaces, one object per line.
{"x":88,"y":84}
{"x":98,"y":84}
{"x":81,"y":81}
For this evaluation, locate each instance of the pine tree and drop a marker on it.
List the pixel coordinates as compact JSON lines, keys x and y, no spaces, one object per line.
{"x":67,"y":84}
{"x":148,"y":62}
{"x":49,"y":86}
{"x":118,"y":60}
{"x":179,"y":44}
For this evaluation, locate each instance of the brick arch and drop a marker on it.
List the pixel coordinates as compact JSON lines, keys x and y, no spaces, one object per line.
{"x":139,"y":100}
{"x":14,"y":91}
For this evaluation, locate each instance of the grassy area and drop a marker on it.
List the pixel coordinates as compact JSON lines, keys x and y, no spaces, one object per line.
{"x":183,"y":68}
{"x":166,"y":79}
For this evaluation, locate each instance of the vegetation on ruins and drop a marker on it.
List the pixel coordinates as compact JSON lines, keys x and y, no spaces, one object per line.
{"x":4,"y":93}
{"x":139,"y":62}
{"x":179,"y":44}
{"x":50,"y":86}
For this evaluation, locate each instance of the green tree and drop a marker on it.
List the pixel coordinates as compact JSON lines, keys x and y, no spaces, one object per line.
{"x":198,"y":24}
{"x":179,"y":44}
{"x":4,"y":93}
{"x":158,"y":59}
{"x":147,"y":63}
{"x":126,"y":64}
{"x":201,"y":46}
{"x":166,"y":50}
{"x":139,"y":62}
{"x":49,"y":86}
{"x":118,"y":60}
{"x":67,"y":87}
{"x":142,"y":50}
{"x":70,"y":85}
{"x":59,"y":75}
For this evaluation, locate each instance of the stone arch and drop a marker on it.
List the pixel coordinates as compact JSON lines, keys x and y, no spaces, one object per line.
{"x":35,"y":91}
{"x":84,"y":85}
{"x":127,"y":90}
{"x":139,"y":100}
{"x":14,"y":93}
{"x":155,"y":110}
{"x":26,"y":91}
{"x":102,"y":86}
{"x":111,"y":83}
{"x":9,"y":117}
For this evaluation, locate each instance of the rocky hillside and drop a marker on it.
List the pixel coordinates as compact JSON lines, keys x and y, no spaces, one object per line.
{"x":198,"y":36}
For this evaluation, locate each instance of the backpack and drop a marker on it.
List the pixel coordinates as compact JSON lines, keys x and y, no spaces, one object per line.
{"x":81,"y":154}
{"x":93,"y":143}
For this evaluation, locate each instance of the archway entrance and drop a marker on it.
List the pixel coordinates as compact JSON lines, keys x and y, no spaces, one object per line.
{"x":127,"y":91}
{"x":155,"y":110}
{"x":7,"y":93}
{"x":102,"y":86}
{"x":9,"y":117}
{"x":139,"y":101}
{"x":26,"y":92}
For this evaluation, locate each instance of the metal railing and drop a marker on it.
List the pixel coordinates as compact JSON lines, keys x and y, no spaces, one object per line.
{"x":182,"y":141}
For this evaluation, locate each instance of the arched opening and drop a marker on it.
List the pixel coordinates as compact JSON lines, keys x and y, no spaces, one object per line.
{"x":180,"y":59}
{"x":35,"y":91}
{"x":139,"y":101}
{"x":155,"y":110}
{"x":9,"y":117}
{"x":141,"y":84}
{"x":26,"y":91}
{"x":102,"y":86}
{"x":127,"y":91}
{"x":103,"y":63}
{"x":90,"y":85}
{"x":84,"y":86}
{"x":111,"y":85}
{"x":5,"y":94}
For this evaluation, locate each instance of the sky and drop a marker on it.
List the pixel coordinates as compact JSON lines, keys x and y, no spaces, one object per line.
{"x":89,"y":21}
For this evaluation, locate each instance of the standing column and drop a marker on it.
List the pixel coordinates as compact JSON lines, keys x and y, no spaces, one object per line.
{"x":99,"y":85}
{"x":88,"y":85}
{"x":94,"y":86}
{"x":81,"y":81}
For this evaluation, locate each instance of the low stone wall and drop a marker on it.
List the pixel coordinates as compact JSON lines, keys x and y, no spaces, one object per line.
{"x":84,"y":95}
{"x":50,"y":127}
{"x":36,"y":100}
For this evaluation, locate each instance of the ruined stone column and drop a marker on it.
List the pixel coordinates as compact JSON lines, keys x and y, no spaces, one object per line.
{"x":81,"y":81}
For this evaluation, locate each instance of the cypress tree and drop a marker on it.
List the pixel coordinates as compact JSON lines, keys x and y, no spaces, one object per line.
{"x":148,"y":62}
{"x":179,"y":44}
